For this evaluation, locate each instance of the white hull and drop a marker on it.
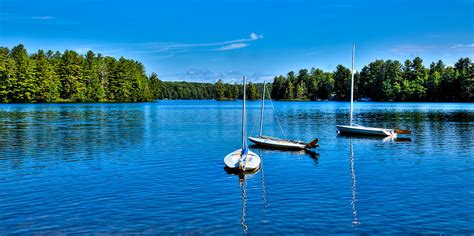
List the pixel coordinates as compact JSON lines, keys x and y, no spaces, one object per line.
{"x":362,"y":130}
{"x":232,"y":160}
{"x":281,"y":144}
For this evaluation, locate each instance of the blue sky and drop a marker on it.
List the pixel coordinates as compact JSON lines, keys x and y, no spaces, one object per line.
{"x":209,"y":40}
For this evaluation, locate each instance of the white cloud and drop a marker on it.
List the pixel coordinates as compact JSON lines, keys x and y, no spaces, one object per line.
{"x":43,"y":17}
{"x":82,"y":50}
{"x":463,"y":46}
{"x":411,"y":48}
{"x":13,"y":18}
{"x":163,"y":47}
{"x":232,"y":46}
{"x":209,"y":76}
{"x":255,"y":36}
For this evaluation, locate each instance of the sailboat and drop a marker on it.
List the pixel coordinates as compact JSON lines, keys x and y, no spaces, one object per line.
{"x":242,"y":159}
{"x":278,"y":143}
{"x":363,"y":130}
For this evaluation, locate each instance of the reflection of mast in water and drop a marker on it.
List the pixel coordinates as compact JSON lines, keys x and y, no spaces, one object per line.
{"x":264,"y":194}
{"x":243,"y":187}
{"x":353,"y":187}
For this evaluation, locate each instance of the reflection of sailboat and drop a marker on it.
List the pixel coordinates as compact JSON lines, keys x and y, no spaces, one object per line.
{"x":363,"y":130}
{"x":376,"y":138}
{"x":312,"y":153}
{"x":353,"y":188}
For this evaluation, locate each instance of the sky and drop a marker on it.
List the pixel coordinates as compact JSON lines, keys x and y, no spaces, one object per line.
{"x":204,"y":40}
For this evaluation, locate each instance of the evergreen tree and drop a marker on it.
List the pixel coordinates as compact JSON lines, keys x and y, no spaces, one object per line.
{"x":252,"y":92}
{"x":48,"y":85}
{"x":24,"y":88}
{"x":155,"y":86}
{"x":8,"y":78}
{"x":71,"y":76}
{"x":219,"y":90}
{"x":290,"y":89}
{"x":342,"y":82}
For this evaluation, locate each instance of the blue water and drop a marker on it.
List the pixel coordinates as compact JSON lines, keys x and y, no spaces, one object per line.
{"x":158,"y":168}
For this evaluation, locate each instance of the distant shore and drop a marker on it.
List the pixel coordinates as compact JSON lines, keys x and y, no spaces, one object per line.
{"x":69,"y":77}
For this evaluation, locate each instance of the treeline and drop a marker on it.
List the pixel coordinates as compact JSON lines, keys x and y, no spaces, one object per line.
{"x":219,"y":91}
{"x":71,"y":77}
{"x":382,"y":81}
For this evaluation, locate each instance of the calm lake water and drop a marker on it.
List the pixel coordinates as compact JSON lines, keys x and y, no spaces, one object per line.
{"x":158,"y":168}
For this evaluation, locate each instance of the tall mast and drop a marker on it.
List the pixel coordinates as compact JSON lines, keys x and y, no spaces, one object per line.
{"x":243,"y":117}
{"x":263,"y":108}
{"x":352,"y":84}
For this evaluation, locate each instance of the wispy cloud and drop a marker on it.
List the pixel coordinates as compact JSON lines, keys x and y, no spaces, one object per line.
{"x":415,"y":49}
{"x":209,"y":76}
{"x":12,"y":18}
{"x":43,"y":17}
{"x":165,"y":50}
{"x":82,"y":50}
{"x":411,"y":48}
{"x":232,"y":46}
{"x":174,"y":48}
{"x":254,"y":36}
{"x":456,"y":46}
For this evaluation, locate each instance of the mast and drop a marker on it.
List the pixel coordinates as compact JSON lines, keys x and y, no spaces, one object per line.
{"x":263,"y":108}
{"x":243,"y":117}
{"x":352,"y":84}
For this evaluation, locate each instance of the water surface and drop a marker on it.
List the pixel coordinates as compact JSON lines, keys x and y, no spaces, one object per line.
{"x":158,"y":168}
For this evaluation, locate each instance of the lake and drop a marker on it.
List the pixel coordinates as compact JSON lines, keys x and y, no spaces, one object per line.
{"x":158,"y":168}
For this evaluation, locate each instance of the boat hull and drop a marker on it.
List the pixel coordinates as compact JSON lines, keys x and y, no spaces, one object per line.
{"x":362,"y":130}
{"x":232,"y":160}
{"x":278,"y":144}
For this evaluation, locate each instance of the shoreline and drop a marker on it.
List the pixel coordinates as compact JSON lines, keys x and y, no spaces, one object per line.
{"x":229,"y":100}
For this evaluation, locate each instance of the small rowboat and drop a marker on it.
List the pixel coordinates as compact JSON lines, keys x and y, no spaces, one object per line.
{"x":233,"y":160}
{"x":282,"y":143}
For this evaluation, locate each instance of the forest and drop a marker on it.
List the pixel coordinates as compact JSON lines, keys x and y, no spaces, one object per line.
{"x":70,"y":77}
{"x":382,"y":80}
{"x":45,"y":77}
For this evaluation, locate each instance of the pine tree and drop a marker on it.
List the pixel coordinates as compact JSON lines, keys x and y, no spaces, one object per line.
{"x":7,"y":75}
{"x":24,"y":88}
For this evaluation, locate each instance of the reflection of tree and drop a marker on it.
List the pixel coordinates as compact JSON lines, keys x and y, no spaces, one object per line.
{"x":50,"y":134}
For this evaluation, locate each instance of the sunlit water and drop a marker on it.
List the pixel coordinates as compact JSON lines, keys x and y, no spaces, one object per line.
{"x":158,"y":168}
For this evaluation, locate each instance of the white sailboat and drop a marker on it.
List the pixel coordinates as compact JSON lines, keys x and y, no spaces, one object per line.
{"x":363,"y":130}
{"x":243,"y":159}
{"x":278,"y":143}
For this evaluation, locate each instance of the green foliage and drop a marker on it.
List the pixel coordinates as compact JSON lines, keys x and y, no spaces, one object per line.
{"x":252,"y":92}
{"x":71,"y":77}
{"x":48,"y":83}
{"x":23,"y":85}
{"x":154,"y":84}
{"x":382,"y":81}
{"x":219,"y":92}
{"x":342,"y":82}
